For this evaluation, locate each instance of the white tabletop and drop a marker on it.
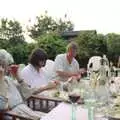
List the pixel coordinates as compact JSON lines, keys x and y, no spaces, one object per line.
{"x":63,"y":112}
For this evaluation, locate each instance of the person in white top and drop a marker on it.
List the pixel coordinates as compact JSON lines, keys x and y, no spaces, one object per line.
{"x":33,"y":74}
{"x":66,"y":65}
{"x":10,"y":97}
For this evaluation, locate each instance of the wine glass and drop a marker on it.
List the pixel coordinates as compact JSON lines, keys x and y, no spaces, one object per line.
{"x":103,"y":101}
{"x":73,"y":99}
{"x":13,"y":71}
{"x":90,"y":102}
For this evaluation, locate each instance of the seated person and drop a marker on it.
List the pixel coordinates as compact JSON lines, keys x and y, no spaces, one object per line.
{"x":66,"y":65}
{"x":10,"y":98}
{"x":33,"y":74}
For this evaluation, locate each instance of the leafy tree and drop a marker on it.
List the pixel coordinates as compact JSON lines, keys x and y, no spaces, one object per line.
{"x":21,"y":52}
{"x":101,"y":44}
{"x":12,"y":39}
{"x":52,"y":43}
{"x":90,"y":43}
{"x":85,"y":41}
{"x":11,"y":32}
{"x":45,"y":24}
{"x":113,"y":45}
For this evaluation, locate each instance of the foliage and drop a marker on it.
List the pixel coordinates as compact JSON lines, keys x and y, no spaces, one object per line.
{"x":101,"y":44}
{"x":45,"y":24}
{"x":113,"y":45}
{"x":21,"y":52}
{"x":11,"y":32}
{"x":12,"y":39}
{"x":90,"y":43}
{"x":52,"y":43}
{"x":46,"y":33}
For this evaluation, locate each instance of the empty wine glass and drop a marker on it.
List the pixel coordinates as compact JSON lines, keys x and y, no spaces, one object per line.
{"x":90,"y":102}
{"x":103,"y":101}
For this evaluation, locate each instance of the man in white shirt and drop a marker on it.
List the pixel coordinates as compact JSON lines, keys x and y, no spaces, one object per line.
{"x":66,"y":65}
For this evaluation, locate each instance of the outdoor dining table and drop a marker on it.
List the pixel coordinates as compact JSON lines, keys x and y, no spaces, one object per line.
{"x":63,"y":112}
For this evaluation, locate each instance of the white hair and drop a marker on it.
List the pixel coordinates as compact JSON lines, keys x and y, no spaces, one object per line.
{"x":6,"y":57}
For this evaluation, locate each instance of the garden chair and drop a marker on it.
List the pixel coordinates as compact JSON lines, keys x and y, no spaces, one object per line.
{"x":31,"y":102}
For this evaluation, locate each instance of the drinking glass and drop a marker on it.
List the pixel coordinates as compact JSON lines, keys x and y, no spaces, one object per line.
{"x":103,"y":101}
{"x":73,"y":99}
{"x":90,"y":102}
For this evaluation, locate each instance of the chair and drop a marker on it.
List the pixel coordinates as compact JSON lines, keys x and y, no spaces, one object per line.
{"x":9,"y":115}
{"x":31,"y":102}
{"x":44,"y":103}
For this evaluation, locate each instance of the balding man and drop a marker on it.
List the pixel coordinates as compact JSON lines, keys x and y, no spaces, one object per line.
{"x":66,"y":65}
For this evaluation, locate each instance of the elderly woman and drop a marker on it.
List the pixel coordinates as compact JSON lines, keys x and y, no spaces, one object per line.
{"x":10,"y":98}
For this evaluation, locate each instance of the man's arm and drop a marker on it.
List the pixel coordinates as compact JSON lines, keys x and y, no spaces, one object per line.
{"x":66,"y":74}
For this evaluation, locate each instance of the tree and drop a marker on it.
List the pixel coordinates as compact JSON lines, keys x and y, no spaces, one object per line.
{"x":12,"y":39}
{"x":85,"y":41}
{"x":11,"y":32}
{"x":52,"y":43}
{"x":90,"y":43}
{"x":113,"y":45}
{"x":101,"y":44}
{"x":45,"y":24}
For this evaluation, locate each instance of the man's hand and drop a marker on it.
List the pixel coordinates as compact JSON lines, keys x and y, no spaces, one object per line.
{"x":77,"y":77}
{"x":82,"y":70}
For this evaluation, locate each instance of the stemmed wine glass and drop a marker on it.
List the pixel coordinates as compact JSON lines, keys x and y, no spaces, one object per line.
{"x":103,"y":101}
{"x":74,"y":97}
{"x":90,"y":101}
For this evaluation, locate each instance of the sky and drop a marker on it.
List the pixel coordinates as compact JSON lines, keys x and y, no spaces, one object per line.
{"x":100,"y":15}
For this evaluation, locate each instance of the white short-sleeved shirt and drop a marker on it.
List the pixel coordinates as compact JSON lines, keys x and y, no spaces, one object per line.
{"x":62,"y":64}
{"x":32,"y":77}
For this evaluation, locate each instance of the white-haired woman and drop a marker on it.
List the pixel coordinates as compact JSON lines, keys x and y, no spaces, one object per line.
{"x":10,"y":97}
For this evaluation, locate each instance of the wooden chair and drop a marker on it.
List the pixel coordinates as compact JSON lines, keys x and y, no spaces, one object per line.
{"x":9,"y":115}
{"x":44,"y":103}
{"x":31,"y":102}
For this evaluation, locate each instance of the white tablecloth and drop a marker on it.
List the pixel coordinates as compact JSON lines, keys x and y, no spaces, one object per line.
{"x":63,"y":112}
